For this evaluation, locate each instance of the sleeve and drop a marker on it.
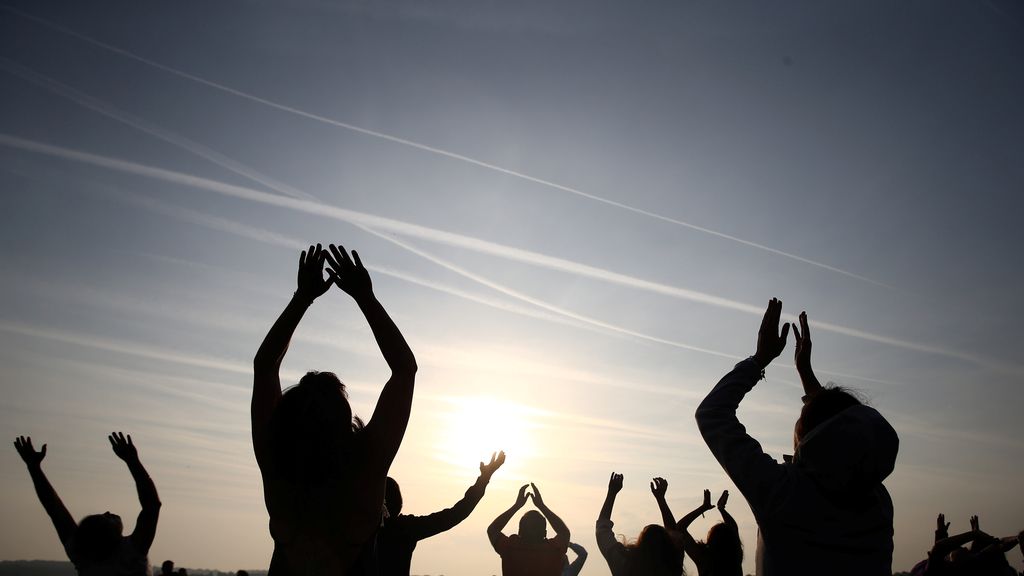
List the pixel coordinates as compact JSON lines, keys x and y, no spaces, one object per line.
{"x":420,"y":527}
{"x":500,"y":544}
{"x":757,"y":475}
{"x":613,"y":551}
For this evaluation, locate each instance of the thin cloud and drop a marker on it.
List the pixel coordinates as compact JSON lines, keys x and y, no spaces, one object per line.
{"x":379,"y":223}
{"x":438,"y":151}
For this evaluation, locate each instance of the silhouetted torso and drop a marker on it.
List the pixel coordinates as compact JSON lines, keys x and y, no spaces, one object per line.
{"x":521,"y":558}
{"x":127,"y":560}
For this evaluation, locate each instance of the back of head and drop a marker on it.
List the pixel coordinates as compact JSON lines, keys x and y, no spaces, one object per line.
{"x":96,"y":538}
{"x":533,"y":527}
{"x":724,"y":549}
{"x":846,"y":447}
{"x":312,"y":429}
{"x":167,"y":568}
{"x":392,"y":497}
{"x":655,"y":553}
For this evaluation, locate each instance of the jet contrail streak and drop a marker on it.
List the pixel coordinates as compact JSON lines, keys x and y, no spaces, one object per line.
{"x":379,"y":223}
{"x":110,"y":111}
{"x":434,"y":150}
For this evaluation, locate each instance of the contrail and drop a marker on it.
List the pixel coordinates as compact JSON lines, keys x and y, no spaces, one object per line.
{"x":435,"y":150}
{"x":110,"y":111}
{"x":379,"y":223}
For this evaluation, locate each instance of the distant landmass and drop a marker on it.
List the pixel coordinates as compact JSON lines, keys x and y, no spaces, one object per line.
{"x":55,"y":568}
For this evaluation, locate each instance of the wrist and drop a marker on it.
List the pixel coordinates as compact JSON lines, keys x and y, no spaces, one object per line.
{"x":302,"y":298}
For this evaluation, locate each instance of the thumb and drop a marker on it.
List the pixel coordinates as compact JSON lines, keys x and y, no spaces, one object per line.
{"x":785,"y":332}
{"x":42,"y":451}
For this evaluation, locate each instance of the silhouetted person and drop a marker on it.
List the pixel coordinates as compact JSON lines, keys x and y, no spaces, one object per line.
{"x":397,"y":538}
{"x":950,"y":556}
{"x":323,"y":473}
{"x":167,"y":568}
{"x":721,"y":554}
{"x":241,"y":573}
{"x":96,"y":545}
{"x":573,"y":568}
{"x":827,"y":510}
{"x":182,"y":572}
{"x":655,"y":552}
{"x":530,"y":552}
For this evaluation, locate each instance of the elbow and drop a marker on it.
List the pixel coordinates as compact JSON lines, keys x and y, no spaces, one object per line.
{"x":405,"y":369}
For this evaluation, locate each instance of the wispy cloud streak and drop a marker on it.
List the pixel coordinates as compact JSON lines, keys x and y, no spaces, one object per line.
{"x":438,"y":151}
{"x":380,"y":223}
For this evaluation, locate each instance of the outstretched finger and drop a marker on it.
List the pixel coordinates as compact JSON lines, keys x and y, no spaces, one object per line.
{"x":338,"y":258}
{"x":355,"y":256}
{"x":785,"y":332}
{"x":803,"y":325}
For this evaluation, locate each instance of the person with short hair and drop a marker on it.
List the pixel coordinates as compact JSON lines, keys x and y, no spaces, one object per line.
{"x":96,"y":545}
{"x":399,"y":534}
{"x":530,"y":552}
{"x":826,"y":510}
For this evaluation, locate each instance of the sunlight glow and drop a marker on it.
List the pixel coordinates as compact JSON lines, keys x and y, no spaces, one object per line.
{"x":476,"y":426}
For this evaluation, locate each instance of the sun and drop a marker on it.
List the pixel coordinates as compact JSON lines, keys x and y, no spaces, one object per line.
{"x":476,"y":426}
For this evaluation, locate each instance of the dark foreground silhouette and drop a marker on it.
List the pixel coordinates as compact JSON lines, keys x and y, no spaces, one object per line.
{"x":721,"y":553}
{"x":655,"y":552}
{"x":826,"y":510}
{"x":323,"y":472}
{"x":530,"y":552}
{"x":96,"y":545}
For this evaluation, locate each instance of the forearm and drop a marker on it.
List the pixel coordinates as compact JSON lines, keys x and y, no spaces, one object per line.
{"x":728,"y":519}
{"x":666,"y":514}
{"x":606,"y":508}
{"x":275,"y":344}
{"x":148,"y":496}
{"x":685,"y":521}
{"x":499,"y":523}
{"x":557,"y":524}
{"x":54,"y":506}
{"x":392,"y":344}
{"x":809,"y":381}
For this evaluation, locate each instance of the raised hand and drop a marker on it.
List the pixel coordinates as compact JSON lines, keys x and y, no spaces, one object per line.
{"x":941,"y":525}
{"x":349,"y":273}
{"x":521,"y":498}
{"x":722,"y":500}
{"x":707,"y":500}
{"x":310,"y":281}
{"x":659,"y":486}
{"x":615,"y":483}
{"x":974,"y":524}
{"x":535,"y":494}
{"x":23,"y":444}
{"x":802,"y":355}
{"x":488,"y":470}
{"x":123,"y":447}
{"x":769,"y":342}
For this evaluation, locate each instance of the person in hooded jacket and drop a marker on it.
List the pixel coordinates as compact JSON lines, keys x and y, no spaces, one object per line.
{"x":825,"y":510}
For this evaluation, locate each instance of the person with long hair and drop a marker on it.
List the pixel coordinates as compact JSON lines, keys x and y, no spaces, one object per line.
{"x":721,"y":552}
{"x":323,"y":471}
{"x":655,"y":552}
{"x":96,"y":545}
{"x":826,"y":510}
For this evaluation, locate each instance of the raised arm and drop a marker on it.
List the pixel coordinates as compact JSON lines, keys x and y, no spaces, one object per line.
{"x":561,"y":530}
{"x":941,"y":528}
{"x":753,"y":471}
{"x":614,"y":487}
{"x":659,"y":486}
{"x":726,"y":517}
{"x":494,"y":530}
{"x":59,"y":515}
{"x":386,"y":427}
{"x":145,"y":525}
{"x":802,"y":357}
{"x":690,"y":545}
{"x":420,"y":527}
{"x":266,"y":387}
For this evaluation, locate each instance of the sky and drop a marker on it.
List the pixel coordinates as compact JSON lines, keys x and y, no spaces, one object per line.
{"x":576,"y":213}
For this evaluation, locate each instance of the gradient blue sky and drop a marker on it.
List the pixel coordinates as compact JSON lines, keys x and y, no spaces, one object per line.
{"x":575,"y":211}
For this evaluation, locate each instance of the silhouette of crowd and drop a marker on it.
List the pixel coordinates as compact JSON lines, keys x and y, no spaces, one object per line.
{"x":334,"y":510}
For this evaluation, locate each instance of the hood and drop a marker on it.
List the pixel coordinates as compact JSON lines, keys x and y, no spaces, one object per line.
{"x":850,"y":453}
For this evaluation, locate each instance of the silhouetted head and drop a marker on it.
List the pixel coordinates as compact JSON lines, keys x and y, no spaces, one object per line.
{"x":827,"y":403}
{"x":724,"y":546}
{"x":312,"y":428}
{"x":241,"y":573}
{"x":533,"y":527}
{"x":655,"y":553}
{"x":167,"y":568}
{"x":182,"y":572}
{"x":96,"y":537}
{"x":392,"y":497}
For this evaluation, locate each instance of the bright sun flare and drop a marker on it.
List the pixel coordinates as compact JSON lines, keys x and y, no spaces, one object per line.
{"x":476,"y":426}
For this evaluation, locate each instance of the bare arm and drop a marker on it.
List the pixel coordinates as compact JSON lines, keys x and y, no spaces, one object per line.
{"x":420,"y":527}
{"x":386,"y":427}
{"x":561,"y":530}
{"x":659,"y":486}
{"x":494,"y":530}
{"x":55,"y":509}
{"x":145,"y":525}
{"x":802,"y":357}
{"x":581,"y":558}
{"x":690,"y":546}
{"x":266,"y":388}
{"x":726,"y":517}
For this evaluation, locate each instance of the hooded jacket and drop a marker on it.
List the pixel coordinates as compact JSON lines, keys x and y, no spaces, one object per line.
{"x":826,"y":512}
